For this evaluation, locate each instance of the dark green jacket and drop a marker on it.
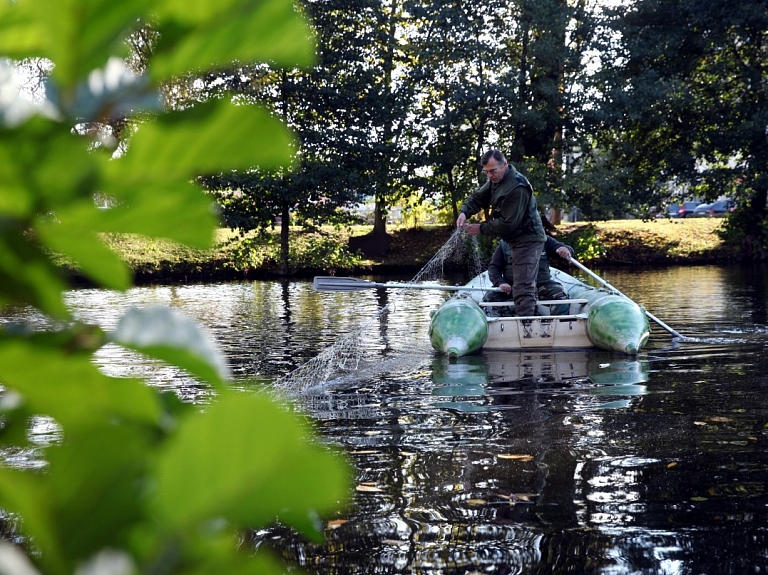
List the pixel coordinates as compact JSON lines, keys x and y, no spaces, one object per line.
{"x":514,"y":214}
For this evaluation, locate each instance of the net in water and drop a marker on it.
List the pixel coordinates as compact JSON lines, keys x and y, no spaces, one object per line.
{"x":348,"y":354}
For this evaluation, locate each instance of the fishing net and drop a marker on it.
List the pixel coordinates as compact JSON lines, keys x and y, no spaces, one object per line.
{"x":348,"y":354}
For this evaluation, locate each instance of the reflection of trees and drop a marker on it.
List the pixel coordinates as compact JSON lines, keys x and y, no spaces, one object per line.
{"x":601,"y":491}
{"x":477,"y":483}
{"x":752,"y":280}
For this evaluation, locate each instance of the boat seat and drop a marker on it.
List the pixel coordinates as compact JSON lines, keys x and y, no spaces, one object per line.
{"x":542,"y":306}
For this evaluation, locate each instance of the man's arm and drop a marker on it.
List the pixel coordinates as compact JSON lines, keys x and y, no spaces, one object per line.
{"x":474,"y":203}
{"x":554,"y":247}
{"x":497,"y":266}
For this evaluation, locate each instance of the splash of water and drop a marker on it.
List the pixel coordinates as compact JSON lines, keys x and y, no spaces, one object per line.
{"x":339,"y":362}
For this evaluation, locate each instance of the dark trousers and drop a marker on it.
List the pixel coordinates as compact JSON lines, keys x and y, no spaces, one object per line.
{"x":549,"y":290}
{"x":524,"y":262}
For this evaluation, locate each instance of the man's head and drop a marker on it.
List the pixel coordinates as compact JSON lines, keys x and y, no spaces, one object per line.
{"x":494,"y":165}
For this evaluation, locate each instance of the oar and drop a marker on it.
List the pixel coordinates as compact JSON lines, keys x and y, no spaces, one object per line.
{"x":617,"y":292}
{"x":333,"y":283}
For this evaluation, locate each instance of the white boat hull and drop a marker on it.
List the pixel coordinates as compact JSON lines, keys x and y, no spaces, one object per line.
{"x":510,"y":333}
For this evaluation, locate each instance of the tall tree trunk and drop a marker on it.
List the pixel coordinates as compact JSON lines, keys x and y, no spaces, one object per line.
{"x":379,"y":218}
{"x":285,"y":222}
{"x":454,"y":193}
{"x":285,"y":216}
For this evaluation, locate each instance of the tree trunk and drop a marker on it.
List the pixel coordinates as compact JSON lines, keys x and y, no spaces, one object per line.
{"x":285,"y":222}
{"x":379,"y":219}
{"x":378,"y":242}
{"x":285,"y":216}
{"x":453,"y":192}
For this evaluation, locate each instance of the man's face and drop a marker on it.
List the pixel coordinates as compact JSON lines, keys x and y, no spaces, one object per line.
{"x":495,"y":170}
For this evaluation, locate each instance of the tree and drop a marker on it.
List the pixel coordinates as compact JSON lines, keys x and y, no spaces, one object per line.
{"x":347,"y":112}
{"x":688,"y":104}
{"x":365,"y":103}
{"x":137,"y":480}
{"x":316,"y":185}
{"x":499,"y":74}
{"x":458,"y":101}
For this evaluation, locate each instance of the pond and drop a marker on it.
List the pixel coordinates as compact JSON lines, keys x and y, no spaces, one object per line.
{"x":507,"y":462}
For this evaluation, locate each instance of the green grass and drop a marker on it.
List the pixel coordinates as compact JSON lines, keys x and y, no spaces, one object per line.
{"x":654,"y":242}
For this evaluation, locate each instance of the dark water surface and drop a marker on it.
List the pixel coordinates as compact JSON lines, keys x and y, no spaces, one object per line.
{"x":507,"y":462}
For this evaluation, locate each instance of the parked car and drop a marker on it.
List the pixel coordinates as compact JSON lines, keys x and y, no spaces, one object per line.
{"x":719,"y":209}
{"x":687,"y":209}
{"x":671,"y":211}
{"x":702,"y":210}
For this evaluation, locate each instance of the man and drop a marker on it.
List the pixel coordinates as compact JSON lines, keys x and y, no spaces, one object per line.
{"x":546,"y":287}
{"x":514,"y":218}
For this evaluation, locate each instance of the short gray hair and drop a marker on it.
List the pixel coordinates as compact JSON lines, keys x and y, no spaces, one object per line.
{"x":495,"y":154}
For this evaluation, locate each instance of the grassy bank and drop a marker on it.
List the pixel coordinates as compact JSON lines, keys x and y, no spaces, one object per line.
{"x":619,"y":242}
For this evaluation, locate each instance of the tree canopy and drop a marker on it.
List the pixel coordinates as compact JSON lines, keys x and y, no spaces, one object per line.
{"x":609,"y":110}
{"x":687,"y":103}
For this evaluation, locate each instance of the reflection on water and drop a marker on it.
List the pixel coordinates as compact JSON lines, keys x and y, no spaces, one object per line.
{"x":488,"y":380}
{"x":566,"y":461}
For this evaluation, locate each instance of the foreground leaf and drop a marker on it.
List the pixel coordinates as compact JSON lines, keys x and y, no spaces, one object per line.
{"x":230,"y":462}
{"x":213,"y":34}
{"x":160,"y":332}
{"x":88,"y":396}
{"x":209,"y":138}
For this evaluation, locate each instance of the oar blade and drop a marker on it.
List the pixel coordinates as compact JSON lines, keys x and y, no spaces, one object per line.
{"x":333,"y":283}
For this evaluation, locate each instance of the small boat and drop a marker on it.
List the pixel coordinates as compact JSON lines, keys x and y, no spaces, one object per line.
{"x":598,"y":318}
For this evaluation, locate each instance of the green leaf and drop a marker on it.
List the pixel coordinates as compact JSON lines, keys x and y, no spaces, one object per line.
{"x":88,"y":397}
{"x":179,"y":212}
{"x":219,"y":559}
{"x":28,"y":276}
{"x":250,"y":461}
{"x":205,"y":35}
{"x":21,"y":35}
{"x":93,"y":258}
{"x":208,"y":138}
{"x":89,"y":498}
{"x":44,"y":166}
{"x":81,"y":34}
{"x":28,"y":495}
{"x":160,"y":332}
{"x":98,"y":479}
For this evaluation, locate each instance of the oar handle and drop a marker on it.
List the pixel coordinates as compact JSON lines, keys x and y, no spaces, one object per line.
{"x":595,"y":276}
{"x":334,"y":283}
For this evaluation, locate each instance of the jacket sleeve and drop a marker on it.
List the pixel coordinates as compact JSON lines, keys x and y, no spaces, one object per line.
{"x":497,"y":266}
{"x":478,"y":200}
{"x":552,"y":245}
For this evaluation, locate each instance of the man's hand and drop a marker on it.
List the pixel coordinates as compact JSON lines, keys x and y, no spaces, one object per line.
{"x":472,"y":229}
{"x":564,"y":253}
{"x":506,"y":288}
{"x":461,"y":219}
